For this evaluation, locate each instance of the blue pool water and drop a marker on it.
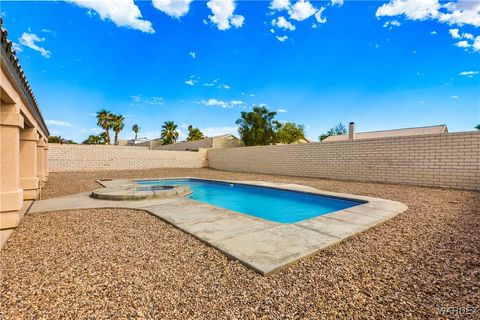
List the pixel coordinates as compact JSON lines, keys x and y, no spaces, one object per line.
{"x":277,"y":205}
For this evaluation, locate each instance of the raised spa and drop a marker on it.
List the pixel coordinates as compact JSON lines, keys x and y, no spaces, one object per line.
{"x":279,"y":205}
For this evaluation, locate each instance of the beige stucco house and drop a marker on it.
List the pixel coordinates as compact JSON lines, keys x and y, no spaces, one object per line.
{"x":222,"y":141}
{"x":386,"y":133}
{"x":23,"y":139}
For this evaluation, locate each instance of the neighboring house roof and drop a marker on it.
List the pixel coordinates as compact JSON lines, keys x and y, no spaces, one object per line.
{"x":391,"y":133}
{"x":223,"y":136}
{"x":305,"y":140}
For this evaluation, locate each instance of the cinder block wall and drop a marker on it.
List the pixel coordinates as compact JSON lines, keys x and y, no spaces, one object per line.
{"x":441,"y":160}
{"x":70,"y":157}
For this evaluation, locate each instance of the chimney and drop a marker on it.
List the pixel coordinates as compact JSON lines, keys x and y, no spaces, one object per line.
{"x":351,"y":131}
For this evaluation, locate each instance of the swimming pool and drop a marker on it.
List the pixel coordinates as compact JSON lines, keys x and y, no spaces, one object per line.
{"x":279,"y":205}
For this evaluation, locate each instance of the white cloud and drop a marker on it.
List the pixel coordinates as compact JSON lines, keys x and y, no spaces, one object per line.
{"x":30,"y":40}
{"x":153,"y":100}
{"x":94,"y":130}
{"x":454,"y":97}
{"x":55,"y":132}
{"x":318,"y":16}
{"x":214,"y":102}
{"x":279,"y":4}
{"x":463,"y":44}
{"x":156,"y":100}
{"x":301,"y":10}
{"x":282,"y":110}
{"x":468,"y":74}
{"x":223,"y":16}
{"x":134,"y":99}
{"x":412,"y":9}
{"x":193,"y":80}
{"x":459,"y":12}
{"x":217,"y":131}
{"x":215,"y":83}
{"x":434,"y":32}
{"x":174,"y":8}
{"x":337,"y":2}
{"x":393,"y":23}
{"x":283,"y":23}
{"x":454,"y":33}
{"x":16,"y":47}
{"x":193,"y":54}
{"x":476,"y":44}
{"x":282,"y":38}
{"x":124,"y":13}
{"x":221,"y":103}
{"x":58,"y":123}
{"x":237,"y":21}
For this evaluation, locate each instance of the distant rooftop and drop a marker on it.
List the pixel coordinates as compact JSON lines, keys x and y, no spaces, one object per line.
{"x":391,"y":133}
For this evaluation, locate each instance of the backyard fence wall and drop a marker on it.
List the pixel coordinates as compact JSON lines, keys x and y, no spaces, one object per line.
{"x":70,"y":157}
{"x":442,"y":160}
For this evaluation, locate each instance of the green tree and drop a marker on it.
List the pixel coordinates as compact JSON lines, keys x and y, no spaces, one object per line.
{"x":290,"y":132}
{"x":339,"y":129}
{"x":60,"y":139}
{"x":135,"y":129}
{"x":117,"y":125}
{"x":95,"y":139}
{"x":104,"y":121}
{"x":477,"y":127}
{"x":55,"y":139}
{"x":169,"y":133}
{"x":194,"y":133}
{"x":258,"y":127}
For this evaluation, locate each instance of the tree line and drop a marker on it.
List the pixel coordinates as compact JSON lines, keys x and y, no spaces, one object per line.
{"x":257,"y":127}
{"x":109,"y":121}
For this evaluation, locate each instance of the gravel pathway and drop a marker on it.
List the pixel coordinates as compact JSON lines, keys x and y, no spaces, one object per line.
{"x":119,"y":263}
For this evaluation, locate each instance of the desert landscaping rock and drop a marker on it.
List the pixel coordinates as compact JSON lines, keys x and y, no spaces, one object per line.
{"x":123,"y":263}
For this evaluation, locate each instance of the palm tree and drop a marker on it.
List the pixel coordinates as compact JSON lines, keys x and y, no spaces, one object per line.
{"x":477,"y":127}
{"x":194,"y":133}
{"x":117,"y":125}
{"x":135,"y":129}
{"x":104,"y":121}
{"x":169,"y":132}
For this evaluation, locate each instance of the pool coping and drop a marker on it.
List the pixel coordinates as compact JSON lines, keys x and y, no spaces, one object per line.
{"x":263,"y":245}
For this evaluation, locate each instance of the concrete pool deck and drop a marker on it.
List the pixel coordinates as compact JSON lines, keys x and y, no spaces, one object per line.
{"x":263,"y":245}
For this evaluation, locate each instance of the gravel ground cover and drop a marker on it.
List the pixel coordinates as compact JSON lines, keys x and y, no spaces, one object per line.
{"x":119,"y":263}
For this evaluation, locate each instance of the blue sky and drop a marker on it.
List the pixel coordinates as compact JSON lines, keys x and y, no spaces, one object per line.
{"x":382,"y":64}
